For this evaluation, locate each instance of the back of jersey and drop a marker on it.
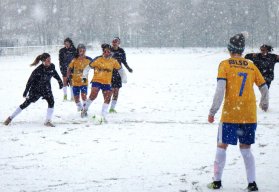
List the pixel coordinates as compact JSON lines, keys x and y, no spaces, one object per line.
{"x":240,"y":101}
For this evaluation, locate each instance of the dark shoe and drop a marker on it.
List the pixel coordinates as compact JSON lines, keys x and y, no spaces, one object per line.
{"x":83,"y":113}
{"x":252,"y":186}
{"x":215,"y":185}
{"x":49,"y":124}
{"x":8,"y":121}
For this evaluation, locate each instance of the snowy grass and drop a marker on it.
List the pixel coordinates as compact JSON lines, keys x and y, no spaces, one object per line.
{"x":158,"y":141}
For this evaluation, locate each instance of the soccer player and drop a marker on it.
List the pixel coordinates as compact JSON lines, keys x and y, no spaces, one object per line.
{"x":236,"y":77}
{"x":118,"y":75}
{"x":265,"y":61}
{"x":66,"y":54}
{"x":103,"y":67}
{"x":74,"y":75}
{"x":38,"y":85}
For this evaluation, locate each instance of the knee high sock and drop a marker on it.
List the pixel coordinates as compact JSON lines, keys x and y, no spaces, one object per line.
{"x":249,"y":162}
{"x":219,"y":163}
{"x":113,"y":104}
{"x":105,"y":109}
{"x":49,"y":114}
{"x":87,"y":104}
{"x":65,"y":90}
{"x":16,"y":112}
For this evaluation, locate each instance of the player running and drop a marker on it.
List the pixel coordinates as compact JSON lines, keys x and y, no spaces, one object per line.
{"x":38,"y":85}
{"x":74,"y":75}
{"x":103,"y":67}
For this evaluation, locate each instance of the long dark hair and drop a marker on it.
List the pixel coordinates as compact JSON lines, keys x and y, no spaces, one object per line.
{"x":39,"y":58}
{"x":268,"y":47}
{"x":70,"y":41}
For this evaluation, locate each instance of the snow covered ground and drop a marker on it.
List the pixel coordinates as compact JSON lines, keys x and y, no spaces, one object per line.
{"x":159,"y":141}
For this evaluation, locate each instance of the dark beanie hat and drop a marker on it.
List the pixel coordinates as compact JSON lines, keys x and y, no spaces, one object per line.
{"x":237,"y":44}
{"x":105,"y":46}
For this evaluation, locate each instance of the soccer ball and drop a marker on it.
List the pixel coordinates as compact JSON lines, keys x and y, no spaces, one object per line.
{"x":98,"y":119}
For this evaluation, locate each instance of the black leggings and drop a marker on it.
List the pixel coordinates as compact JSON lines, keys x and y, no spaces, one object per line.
{"x":28,"y":101}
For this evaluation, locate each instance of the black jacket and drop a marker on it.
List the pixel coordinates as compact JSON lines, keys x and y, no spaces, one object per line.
{"x":264,"y":63}
{"x":66,"y":56}
{"x":39,"y":82}
{"x":120,"y":56}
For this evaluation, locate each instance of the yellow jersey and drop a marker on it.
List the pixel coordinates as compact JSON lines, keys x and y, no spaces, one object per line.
{"x":77,"y":66}
{"x":240,"y":101}
{"x":103,"y":68}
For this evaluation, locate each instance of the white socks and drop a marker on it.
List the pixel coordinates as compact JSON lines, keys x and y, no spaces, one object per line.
{"x":49,"y":114}
{"x":87,"y":104}
{"x":72,"y":93}
{"x":65,"y":90}
{"x":105,"y":109}
{"x":249,"y":162}
{"x":113,"y":104}
{"x":219,"y":163}
{"x":79,"y":106}
{"x":17,"y":111}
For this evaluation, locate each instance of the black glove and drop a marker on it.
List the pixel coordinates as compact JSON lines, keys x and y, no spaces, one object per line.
{"x":130,"y":70}
{"x":84,"y":80}
{"x":25,"y":93}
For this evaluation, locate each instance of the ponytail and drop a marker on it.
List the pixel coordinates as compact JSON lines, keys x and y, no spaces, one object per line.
{"x":39,"y":58}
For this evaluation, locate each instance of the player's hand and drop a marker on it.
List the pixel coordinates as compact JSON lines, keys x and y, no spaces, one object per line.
{"x":264,"y":106}
{"x":60,"y":84}
{"x":254,"y":55}
{"x":84,"y":80}
{"x":210,"y":119}
{"x":130,"y":70}
{"x":68,"y":81}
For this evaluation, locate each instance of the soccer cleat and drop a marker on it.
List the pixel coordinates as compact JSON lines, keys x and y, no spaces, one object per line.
{"x":252,"y":186}
{"x":8,"y":121}
{"x":215,"y":185}
{"x":112,"y":111}
{"x":49,"y":124}
{"x":83,"y":113}
{"x":65,"y":98}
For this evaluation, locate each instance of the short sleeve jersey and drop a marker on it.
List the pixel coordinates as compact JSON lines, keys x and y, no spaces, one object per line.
{"x":77,"y":66}
{"x":103,"y":68}
{"x":240,"y":101}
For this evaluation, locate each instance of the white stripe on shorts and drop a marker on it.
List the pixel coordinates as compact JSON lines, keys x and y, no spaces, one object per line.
{"x":220,"y":133}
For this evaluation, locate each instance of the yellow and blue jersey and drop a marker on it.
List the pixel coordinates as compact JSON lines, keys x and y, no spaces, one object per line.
{"x":77,"y":66}
{"x":103,"y":68}
{"x":240,"y":101}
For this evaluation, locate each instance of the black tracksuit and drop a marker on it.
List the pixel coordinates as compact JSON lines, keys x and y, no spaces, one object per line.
{"x":120,"y":56}
{"x":265,"y":64}
{"x":38,"y":85}
{"x":65,"y":58}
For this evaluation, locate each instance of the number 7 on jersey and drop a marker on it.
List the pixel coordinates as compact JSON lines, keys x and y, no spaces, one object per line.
{"x":243,"y":82}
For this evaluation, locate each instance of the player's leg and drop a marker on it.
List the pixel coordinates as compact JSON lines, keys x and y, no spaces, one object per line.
{"x":246,"y":138}
{"x":107,"y":95}
{"x":18,"y":110}
{"x":93,"y":95}
{"x":76,"y":92}
{"x":50,"y":109}
{"x":226,"y":135}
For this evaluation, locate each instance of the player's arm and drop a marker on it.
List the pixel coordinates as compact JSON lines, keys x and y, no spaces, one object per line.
{"x":218,"y":99}
{"x":123,"y":60}
{"x":264,"y":103}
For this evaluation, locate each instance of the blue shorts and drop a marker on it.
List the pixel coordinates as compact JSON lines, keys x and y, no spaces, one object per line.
{"x":228,"y":133}
{"x":104,"y":87}
{"x":78,"y":89}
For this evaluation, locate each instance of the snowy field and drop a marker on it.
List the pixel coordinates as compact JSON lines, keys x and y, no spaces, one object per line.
{"x":159,"y":141}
